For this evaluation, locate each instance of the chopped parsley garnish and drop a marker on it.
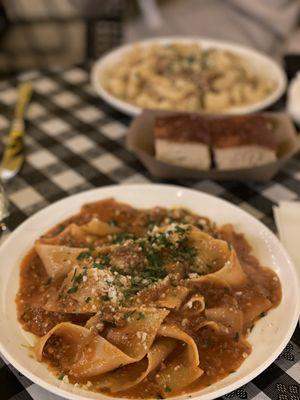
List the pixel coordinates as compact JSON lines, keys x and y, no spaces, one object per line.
{"x":150,"y":225}
{"x":154,"y":259}
{"x":168,"y":389}
{"x":121,"y":237}
{"x":180,"y":230}
{"x":154,"y":270}
{"x":84,"y":254}
{"x":72,"y":289}
{"x":134,"y":289}
{"x":112,"y":222}
{"x":118,"y":270}
{"x":48,"y":281}
{"x":103,"y":263}
{"x":128,"y":314}
{"x":184,"y":253}
{"x":188,"y":253}
{"x":153,"y":274}
{"x":61,"y":376}
{"x":72,"y":279}
{"x":160,"y":240}
{"x":191,"y":59}
{"x":159,"y":248}
{"x":140,"y":316}
{"x":88,"y":299}
{"x":99,"y":265}
{"x":179,"y":249}
{"x":78,"y":278}
{"x":109,"y":322}
{"x":106,"y":259}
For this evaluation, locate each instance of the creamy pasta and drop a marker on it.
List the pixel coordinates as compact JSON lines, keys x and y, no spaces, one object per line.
{"x":186,"y":77}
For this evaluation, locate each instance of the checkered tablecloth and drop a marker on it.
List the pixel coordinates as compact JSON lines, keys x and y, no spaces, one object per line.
{"x":74,"y":142}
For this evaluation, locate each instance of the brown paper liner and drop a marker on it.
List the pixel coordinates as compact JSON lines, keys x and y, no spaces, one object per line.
{"x":140,"y":140}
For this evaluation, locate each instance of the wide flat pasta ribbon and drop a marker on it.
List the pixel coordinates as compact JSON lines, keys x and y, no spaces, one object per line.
{"x":71,"y":234}
{"x":173,"y":297}
{"x":85,"y":278}
{"x":229,"y":317}
{"x":130,"y":375}
{"x":255,"y":309}
{"x":94,"y":288}
{"x":184,"y":368}
{"x":99,"y":228}
{"x":82,"y":233}
{"x":75,"y":336}
{"x":138,"y":334}
{"x":231,"y":273}
{"x":212,"y":253}
{"x":90,"y":355}
{"x":57,"y":260}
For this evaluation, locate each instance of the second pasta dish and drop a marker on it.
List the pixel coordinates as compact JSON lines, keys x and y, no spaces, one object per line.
{"x":186,"y":77}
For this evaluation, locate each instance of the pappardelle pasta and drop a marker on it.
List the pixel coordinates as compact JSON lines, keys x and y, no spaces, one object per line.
{"x":142,"y":303}
{"x":186,"y":77}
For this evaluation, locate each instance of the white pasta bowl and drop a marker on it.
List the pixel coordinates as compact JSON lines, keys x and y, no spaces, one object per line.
{"x":268,"y":338}
{"x":259,"y":62}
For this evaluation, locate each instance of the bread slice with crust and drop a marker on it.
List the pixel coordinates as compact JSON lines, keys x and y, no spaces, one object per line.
{"x":243,"y":141}
{"x":236,"y":142}
{"x":183,"y":140}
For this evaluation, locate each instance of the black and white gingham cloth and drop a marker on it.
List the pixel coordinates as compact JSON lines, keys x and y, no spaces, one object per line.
{"x":74,"y":142}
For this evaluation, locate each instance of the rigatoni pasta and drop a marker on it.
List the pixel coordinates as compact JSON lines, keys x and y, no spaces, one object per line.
{"x":186,"y":77}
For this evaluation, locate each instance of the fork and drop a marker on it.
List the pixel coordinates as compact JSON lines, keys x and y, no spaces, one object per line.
{"x":13,"y":156}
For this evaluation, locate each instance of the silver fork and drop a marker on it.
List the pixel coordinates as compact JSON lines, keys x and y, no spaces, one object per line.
{"x":13,"y":154}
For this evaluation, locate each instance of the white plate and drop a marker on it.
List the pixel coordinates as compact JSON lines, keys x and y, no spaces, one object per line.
{"x":259,"y":62}
{"x":268,"y":338}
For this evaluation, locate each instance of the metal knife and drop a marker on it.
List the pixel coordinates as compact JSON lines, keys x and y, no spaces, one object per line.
{"x":13,"y":154}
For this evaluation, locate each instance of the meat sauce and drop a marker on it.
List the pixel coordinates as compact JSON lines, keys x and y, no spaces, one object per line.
{"x":220,"y":354}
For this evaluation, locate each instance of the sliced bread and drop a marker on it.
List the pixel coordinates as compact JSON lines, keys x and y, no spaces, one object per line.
{"x":242,"y":141}
{"x":183,"y":140}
